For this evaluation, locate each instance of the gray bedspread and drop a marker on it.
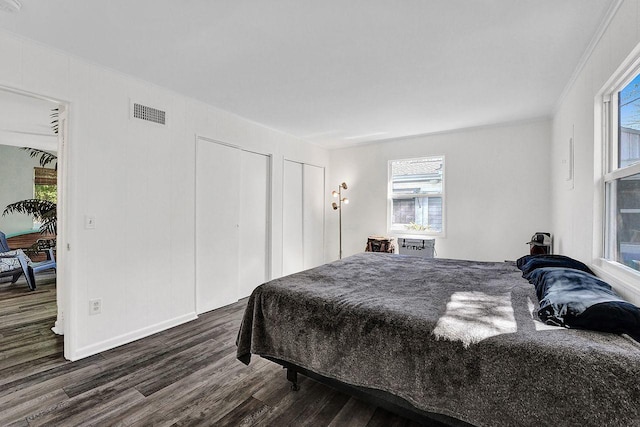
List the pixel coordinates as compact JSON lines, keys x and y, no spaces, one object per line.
{"x":449,"y":336}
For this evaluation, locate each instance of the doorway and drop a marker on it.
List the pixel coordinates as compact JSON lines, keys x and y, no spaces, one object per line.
{"x":33,"y":173}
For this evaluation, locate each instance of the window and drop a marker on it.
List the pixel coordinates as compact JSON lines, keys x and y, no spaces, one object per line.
{"x":622,"y":176}
{"x":45,"y":184}
{"x":416,"y":196}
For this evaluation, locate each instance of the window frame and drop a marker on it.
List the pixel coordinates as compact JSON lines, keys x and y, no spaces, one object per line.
{"x":390,"y":196}
{"x":606,"y":170}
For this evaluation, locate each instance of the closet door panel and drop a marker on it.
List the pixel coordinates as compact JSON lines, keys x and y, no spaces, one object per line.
{"x":292,"y":241}
{"x":313,"y":215}
{"x":254,"y":219}
{"x":217,"y":224}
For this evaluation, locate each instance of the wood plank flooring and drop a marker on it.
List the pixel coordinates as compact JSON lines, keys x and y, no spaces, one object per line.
{"x":185,"y":376}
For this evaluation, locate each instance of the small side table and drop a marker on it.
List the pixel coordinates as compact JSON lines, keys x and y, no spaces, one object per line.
{"x":380,"y":244}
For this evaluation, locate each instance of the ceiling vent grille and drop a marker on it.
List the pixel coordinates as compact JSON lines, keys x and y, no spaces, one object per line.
{"x":149,"y":114}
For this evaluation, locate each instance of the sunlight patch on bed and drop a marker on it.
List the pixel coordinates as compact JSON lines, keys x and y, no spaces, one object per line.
{"x":475,"y":316}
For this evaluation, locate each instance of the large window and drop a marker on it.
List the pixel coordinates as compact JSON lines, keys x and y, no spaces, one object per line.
{"x":416,"y":196}
{"x":622,"y":176}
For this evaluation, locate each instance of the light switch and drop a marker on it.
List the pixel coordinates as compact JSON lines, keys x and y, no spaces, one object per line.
{"x":89,"y":222}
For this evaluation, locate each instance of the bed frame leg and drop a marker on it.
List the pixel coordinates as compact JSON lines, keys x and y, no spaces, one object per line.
{"x":292,"y":375}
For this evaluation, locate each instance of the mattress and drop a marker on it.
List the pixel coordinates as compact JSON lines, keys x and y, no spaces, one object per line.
{"x":454,"y":337}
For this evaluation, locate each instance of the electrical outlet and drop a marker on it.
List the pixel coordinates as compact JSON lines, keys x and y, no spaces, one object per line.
{"x":95,"y":306}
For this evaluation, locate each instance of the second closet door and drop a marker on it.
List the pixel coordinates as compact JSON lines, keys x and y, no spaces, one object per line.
{"x":303,"y":217}
{"x":292,"y":241}
{"x":313,"y":215}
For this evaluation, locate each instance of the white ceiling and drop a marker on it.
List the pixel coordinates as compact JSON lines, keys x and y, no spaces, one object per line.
{"x":335,"y":72}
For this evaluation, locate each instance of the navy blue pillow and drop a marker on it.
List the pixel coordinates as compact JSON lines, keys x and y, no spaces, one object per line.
{"x":575,"y":299}
{"x":528,"y":263}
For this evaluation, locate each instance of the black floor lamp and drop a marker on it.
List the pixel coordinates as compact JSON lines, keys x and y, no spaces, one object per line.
{"x":338,"y":207}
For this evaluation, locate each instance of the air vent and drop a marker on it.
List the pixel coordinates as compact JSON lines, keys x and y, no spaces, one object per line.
{"x":149,"y":114}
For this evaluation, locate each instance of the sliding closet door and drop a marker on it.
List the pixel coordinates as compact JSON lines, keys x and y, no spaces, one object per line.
{"x":303,"y":217}
{"x":292,"y":243}
{"x":217,"y":224}
{"x":313,"y":207}
{"x":254,"y":220}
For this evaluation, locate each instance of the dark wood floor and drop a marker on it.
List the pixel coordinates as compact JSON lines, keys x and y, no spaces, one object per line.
{"x":185,"y":376}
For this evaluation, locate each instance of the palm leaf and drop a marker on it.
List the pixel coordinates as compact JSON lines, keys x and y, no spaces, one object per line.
{"x":45,"y":156}
{"x":54,"y":123}
{"x":43,"y":211}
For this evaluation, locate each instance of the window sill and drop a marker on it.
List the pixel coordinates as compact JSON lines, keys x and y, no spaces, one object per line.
{"x":625,"y":280}
{"x":416,"y":235}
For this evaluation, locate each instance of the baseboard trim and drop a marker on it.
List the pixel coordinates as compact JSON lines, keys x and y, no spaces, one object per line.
{"x":56,"y":329}
{"x":114,"y":342}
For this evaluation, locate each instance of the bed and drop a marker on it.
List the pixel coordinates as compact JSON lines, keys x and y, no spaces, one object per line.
{"x":457,"y":341}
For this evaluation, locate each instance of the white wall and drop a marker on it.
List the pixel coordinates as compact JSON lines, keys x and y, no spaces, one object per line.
{"x":496,"y":184}
{"x":573,"y":210}
{"x":137,"y":179}
{"x":16,"y":183}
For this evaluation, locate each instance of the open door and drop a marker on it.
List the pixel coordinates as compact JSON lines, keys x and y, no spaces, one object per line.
{"x":59,"y":327}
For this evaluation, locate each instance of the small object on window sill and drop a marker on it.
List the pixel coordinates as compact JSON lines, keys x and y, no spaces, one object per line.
{"x":417,"y":227}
